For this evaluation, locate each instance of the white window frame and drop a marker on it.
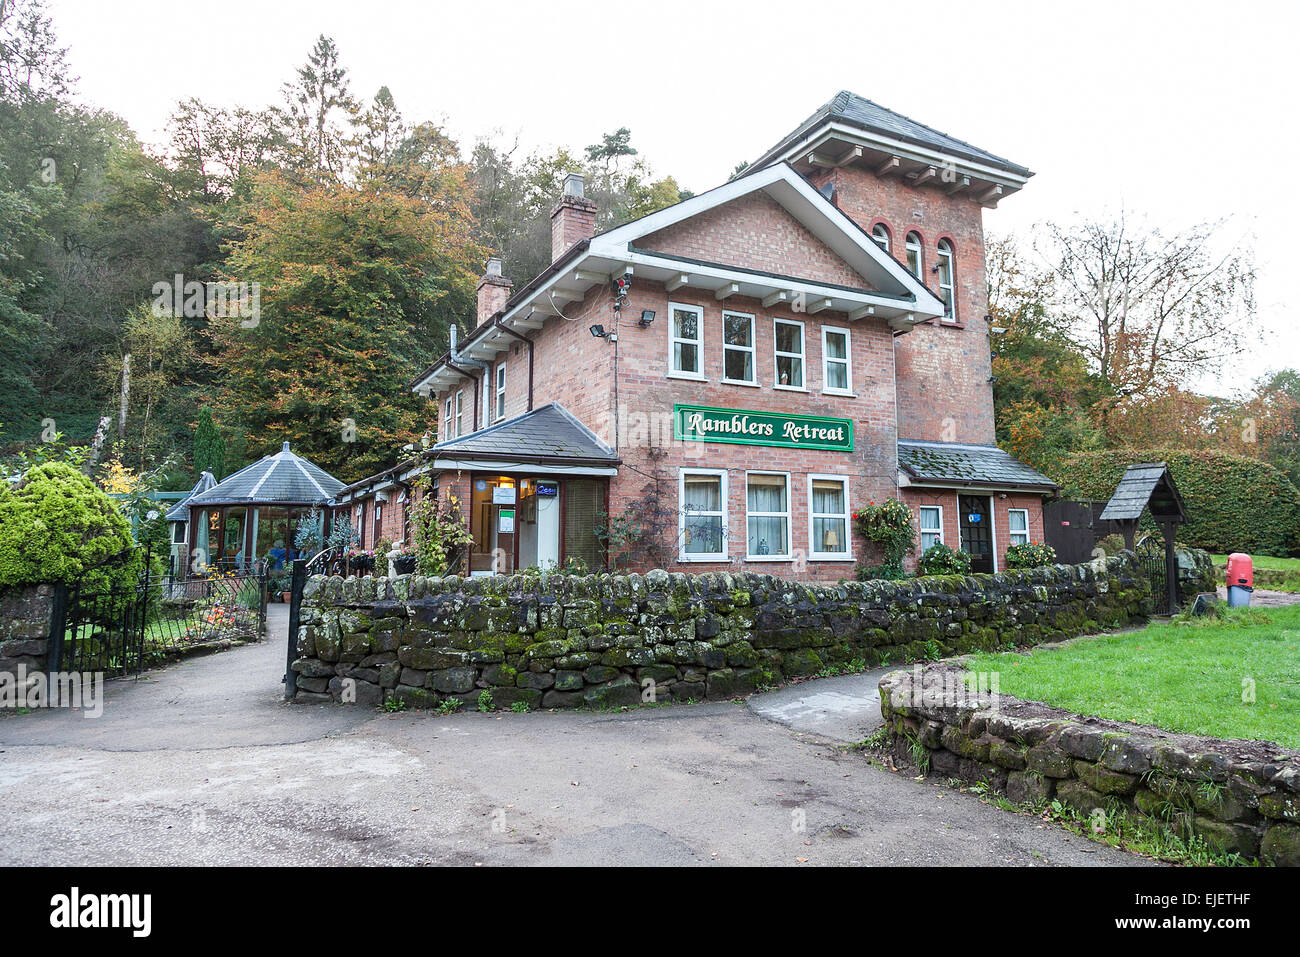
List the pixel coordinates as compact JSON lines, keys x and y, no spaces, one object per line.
{"x":814,"y":554}
{"x":501,"y":391}
{"x":847,"y":361}
{"x":787,"y":515}
{"x":945,"y":255}
{"x":698,"y":341}
{"x":460,"y":412}
{"x":682,"y":554}
{"x":881,"y":236}
{"x":919,"y":248}
{"x":802,"y":356}
{"x":449,"y":424}
{"x":921,"y":531}
{"x":752,"y":348}
{"x":1012,"y":533}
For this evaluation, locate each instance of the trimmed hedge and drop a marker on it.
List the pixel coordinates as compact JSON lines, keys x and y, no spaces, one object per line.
{"x":1234,"y":503}
{"x":55,"y":525}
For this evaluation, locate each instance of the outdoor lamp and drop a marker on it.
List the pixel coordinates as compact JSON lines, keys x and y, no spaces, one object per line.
{"x":597,"y":330}
{"x":647,"y":317}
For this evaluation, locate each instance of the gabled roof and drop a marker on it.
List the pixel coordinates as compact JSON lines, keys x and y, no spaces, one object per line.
{"x":180,"y":512}
{"x":889,"y":292}
{"x":550,"y":433}
{"x":983,"y":465}
{"x":858,"y":111}
{"x":280,"y":479}
{"x":1147,"y":483}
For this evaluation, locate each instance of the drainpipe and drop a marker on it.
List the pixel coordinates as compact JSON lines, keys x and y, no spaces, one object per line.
{"x":510,"y":332}
{"x":457,"y":362}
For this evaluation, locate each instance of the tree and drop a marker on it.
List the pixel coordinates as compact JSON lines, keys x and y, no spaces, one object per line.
{"x":358,"y":287}
{"x":1145,"y":309}
{"x":317,"y":115}
{"x":209,"y":447}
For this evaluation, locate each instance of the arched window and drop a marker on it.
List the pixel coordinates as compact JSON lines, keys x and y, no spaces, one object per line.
{"x":880,"y":233}
{"x":915,"y":259}
{"x":947,"y":280}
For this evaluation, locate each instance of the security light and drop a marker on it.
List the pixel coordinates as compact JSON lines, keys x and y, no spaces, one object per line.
{"x":647,"y":317}
{"x":598,"y":331}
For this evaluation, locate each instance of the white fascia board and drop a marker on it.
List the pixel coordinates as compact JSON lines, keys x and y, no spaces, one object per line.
{"x":809,"y":207}
{"x":913,"y":151}
{"x":539,"y":468}
{"x":906,"y":481}
{"x":810,"y":289}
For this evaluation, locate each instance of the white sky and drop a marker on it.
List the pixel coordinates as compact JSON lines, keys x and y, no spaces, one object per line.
{"x":1179,"y":111}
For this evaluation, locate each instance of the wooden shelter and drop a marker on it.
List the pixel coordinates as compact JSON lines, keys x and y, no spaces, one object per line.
{"x":1149,"y":485}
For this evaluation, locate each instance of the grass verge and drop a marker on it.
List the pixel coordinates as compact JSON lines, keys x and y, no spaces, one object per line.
{"x":1233,"y":676}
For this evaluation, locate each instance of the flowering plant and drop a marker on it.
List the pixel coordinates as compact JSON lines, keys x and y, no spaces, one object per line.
{"x":889,"y":525}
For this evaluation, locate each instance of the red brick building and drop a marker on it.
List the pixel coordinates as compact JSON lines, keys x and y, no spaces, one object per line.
{"x":731,"y":377}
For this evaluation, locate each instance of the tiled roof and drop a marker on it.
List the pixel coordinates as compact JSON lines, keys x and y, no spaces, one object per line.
{"x":548,"y":433}
{"x":858,"y":111}
{"x":180,"y":512}
{"x":1143,"y":484}
{"x":966,"y":465}
{"x":283,"y":478}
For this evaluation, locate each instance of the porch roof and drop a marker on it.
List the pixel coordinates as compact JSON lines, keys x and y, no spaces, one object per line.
{"x":962,"y":465}
{"x":547,"y":434}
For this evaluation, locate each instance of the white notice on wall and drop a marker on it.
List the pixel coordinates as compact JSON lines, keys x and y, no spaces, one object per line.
{"x":503,"y":495}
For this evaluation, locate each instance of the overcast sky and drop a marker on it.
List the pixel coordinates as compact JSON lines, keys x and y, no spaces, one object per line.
{"x":1179,"y":111}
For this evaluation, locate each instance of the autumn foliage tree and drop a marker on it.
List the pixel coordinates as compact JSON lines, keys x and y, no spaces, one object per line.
{"x":358,"y":286}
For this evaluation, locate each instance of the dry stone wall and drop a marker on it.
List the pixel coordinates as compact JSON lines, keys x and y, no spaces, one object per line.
{"x":609,"y":640}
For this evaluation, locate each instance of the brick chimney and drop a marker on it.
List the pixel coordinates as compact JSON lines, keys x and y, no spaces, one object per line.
{"x":573,"y":219}
{"x":493,"y":291}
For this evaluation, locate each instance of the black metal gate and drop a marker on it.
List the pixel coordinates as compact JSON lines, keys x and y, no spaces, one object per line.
{"x":122,"y":629}
{"x":1153,"y":564}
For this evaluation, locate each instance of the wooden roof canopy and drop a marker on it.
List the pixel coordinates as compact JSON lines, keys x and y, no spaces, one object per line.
{"x":1147,"y":485}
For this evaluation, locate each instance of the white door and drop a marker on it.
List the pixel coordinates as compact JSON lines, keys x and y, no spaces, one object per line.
{"x":548,"y":523}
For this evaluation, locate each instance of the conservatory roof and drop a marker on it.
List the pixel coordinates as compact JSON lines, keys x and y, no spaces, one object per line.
{"x":280,"y":479}
{"x":180,"y":512}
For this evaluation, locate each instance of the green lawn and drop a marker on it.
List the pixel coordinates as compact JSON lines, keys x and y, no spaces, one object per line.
{"x":1185,"y":676}
{"x":1265,"y":561}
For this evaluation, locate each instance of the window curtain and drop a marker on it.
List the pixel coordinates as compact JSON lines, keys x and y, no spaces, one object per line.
{"x":829,"y":534}
{"x":703,"y":532}
{"x":767,"y":534}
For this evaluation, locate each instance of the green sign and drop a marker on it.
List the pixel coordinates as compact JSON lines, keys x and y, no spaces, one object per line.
{"x":697,"y":423}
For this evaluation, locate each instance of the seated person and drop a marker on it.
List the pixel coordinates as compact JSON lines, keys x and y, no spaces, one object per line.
{"x":277,"y":555}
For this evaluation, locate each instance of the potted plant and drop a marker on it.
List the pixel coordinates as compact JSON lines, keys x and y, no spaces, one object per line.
{"x":361,"y":559}
{"x":404,"y":563}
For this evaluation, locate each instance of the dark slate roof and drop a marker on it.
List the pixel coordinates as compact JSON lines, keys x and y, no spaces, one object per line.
{"x":180,"y":512}
{"x":280,"y":479}
{"x":967,"y":465}
{"x":1147,"y":483}
{"x":858,"y":111}
{"x":550,"y":433}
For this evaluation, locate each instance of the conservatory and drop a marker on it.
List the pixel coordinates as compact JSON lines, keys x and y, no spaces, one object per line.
{"x":255,"y":514}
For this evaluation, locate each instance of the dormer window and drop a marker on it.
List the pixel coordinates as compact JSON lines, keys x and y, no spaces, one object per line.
{"x":880,"y":233}
{"x":947,"y":281}
{"x":915,"y":258}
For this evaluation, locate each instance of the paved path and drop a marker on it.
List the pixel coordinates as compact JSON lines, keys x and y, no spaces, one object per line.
{"x":840,"y":709}
{"x":203,"y":763}
{"x":1266,"y":598}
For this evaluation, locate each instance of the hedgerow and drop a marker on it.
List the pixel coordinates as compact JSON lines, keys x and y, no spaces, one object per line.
{"x":1233,"y":503}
